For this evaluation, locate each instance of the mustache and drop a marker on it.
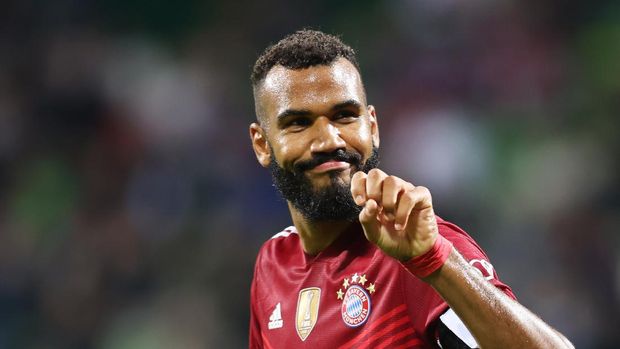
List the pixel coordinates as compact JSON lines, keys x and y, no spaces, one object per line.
{"x":351,"y":157}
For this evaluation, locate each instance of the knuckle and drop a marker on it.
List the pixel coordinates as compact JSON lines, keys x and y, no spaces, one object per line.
{"x":358,"y":175}
{"x":391,"y":181}
{"x":423,"y":190}
{"x":375,"y":173}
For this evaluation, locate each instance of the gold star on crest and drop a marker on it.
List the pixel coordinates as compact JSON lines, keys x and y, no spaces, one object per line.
{"x":345,"y":283}
{"x":354,"y":278}
{"x":371,"y":288}
{"x":362,"y":280}
{"x":340,"y":293}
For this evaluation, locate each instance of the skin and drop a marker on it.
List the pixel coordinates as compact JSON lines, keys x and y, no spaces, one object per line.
{"x":322,"y":109}
{"x":335,"y":116}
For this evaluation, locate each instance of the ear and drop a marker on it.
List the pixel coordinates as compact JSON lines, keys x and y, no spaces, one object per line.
{"x":260,"y":145}
{"x":374,"y":126}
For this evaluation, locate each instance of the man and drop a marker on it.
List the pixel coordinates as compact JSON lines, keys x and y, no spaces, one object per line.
{"x":367,"y":263}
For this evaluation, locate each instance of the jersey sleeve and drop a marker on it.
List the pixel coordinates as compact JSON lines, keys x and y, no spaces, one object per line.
{"x":477,"y":258}
{"x":473,"y":254}
{"x":255,"y":338}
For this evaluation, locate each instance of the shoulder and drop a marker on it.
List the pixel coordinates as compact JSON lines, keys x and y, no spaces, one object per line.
{"x":287,"y":237}
{"x":283,"y":243}
{"x":286,"y":232}
{"x":271,"y":254}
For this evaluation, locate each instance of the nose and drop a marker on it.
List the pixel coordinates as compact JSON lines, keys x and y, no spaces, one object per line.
{"x":327,"y":137}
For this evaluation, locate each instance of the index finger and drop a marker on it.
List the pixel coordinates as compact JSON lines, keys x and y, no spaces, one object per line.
{"x":358,"y":187}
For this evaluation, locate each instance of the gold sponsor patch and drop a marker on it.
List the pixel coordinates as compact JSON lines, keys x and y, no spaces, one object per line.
{"x":307,"y":311}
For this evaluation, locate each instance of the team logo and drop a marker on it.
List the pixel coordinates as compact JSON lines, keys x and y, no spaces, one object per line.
{"x":307,"y":311}
{"x":483,"y":267}
{"x":356,"y":303}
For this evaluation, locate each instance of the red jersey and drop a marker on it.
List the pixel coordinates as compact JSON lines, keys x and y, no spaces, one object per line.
{"x":351,"y":295}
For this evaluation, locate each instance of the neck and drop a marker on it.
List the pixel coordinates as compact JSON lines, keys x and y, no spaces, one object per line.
{"x":316,"y":236}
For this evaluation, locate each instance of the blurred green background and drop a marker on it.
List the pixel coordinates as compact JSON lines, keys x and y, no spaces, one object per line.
{"x":132,"y":208}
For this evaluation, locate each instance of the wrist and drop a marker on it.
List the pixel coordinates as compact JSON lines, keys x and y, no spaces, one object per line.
{"x":424,"y":265}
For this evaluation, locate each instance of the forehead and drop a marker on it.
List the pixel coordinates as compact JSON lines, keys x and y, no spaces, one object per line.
{"x":310,"y":88}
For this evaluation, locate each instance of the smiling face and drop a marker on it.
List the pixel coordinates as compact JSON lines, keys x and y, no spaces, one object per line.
{"x":315,"y":128}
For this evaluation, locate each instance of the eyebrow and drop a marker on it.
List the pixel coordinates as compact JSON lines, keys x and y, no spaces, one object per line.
{"x":348,"y":104}
{"x":306,"y":112}
{"x":293,"y":112}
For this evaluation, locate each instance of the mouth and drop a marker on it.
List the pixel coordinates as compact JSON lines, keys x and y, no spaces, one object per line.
{"x":330,"y":166}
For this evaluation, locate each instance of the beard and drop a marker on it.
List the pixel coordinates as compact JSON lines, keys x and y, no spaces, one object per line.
{"x":330,"y":203}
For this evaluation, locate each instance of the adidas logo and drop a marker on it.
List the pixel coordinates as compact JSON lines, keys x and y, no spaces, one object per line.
{"x":275,"y":320}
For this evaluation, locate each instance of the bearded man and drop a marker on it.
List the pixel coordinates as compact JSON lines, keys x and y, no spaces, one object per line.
{"x":367,"y":263}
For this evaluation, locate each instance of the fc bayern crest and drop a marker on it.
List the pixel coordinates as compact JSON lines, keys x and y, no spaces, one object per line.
{"x":355,"y":306}
{"x":356,"y":303}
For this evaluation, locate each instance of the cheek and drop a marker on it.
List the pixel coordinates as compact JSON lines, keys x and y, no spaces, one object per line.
{"x":288,"y":150}
{"x":364,"y":134}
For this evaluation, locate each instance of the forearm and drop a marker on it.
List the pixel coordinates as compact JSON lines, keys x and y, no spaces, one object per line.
{"x":495,"y":320}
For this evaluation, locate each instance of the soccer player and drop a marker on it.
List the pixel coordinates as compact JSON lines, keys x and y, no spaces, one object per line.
{"x":367,"y":263}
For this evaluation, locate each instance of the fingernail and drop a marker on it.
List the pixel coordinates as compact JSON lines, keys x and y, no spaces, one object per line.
{"x":359,"y":199}
{"x":398,"y":226}
{"x":390,"y":216}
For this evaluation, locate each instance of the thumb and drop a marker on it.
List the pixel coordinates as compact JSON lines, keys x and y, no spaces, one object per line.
{"x":369,"y":221}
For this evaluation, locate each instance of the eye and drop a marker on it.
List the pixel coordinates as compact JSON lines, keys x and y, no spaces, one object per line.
{"x":299,"y":122}
{"x":346,"y":115}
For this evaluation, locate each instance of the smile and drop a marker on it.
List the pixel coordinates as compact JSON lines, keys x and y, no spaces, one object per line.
{"x":330,"y":166}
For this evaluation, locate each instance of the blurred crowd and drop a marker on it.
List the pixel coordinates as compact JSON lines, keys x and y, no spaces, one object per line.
{"x":132,"y":208}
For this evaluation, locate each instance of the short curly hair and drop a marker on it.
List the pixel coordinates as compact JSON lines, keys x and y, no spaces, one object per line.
{"x":302,"y":49}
